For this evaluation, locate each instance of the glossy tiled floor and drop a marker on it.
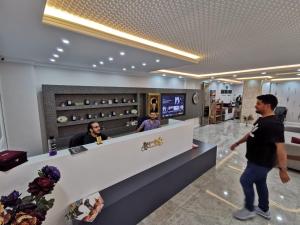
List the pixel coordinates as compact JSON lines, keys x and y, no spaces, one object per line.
{"x":212,"y":198}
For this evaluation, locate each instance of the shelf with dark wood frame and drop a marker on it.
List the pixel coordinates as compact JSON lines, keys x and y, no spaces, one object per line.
{"x":77,"y":122}
{"x":80,"y":107}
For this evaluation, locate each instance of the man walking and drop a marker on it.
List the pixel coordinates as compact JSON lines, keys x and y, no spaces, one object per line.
{"x":265,"y":149}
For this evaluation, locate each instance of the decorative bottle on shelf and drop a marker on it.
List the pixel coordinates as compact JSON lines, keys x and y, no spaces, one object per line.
{"x":52,"y":146}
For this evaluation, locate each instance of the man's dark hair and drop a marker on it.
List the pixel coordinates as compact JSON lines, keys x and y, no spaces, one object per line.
{"x":268,"y":99}
{"x":90,"y":125}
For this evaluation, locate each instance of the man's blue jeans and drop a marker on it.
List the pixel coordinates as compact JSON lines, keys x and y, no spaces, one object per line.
{"x":255,"y":174}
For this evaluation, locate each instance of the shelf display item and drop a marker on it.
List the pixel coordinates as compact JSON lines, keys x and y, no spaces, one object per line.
{"x":134,"y":111}
{"x":95,"y":103}
{"x":124,"y":100}
{"x":133,"y":100}
{"x":101,"y":115}
{"x":62,"y":104}
{"x":110,"y":102}
{"x":62,"y":119}
{"x":126,"y":112}
{"x":73,"y":118}
{"x":86,"y":102}
{"x":113,"y":113}
{"x":116,"y":100}
{"x":103,"y":101}
{"x":68,"y":102}
{"x":88,"y":116}
{"x":78,"y":103}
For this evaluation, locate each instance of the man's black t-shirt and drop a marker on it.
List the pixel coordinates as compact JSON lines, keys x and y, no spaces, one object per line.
{"x":261,"y":147}
{"x":87,"y":139}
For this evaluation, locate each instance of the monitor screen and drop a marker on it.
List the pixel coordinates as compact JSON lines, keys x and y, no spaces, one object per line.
{"x":172,"y":105}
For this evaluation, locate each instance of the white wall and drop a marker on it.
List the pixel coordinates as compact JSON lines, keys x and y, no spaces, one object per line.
{"x":22,"y":97}
{"x":20,"y":108}
{"x":288,"y":94}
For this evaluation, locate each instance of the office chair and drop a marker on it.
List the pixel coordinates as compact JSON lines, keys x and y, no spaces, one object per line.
{"x":281,"y":112}
{"x":77,"y":140}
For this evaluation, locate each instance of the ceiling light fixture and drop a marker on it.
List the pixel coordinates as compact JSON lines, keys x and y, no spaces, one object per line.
{"x":144,"y":64}
{"x":55,"y":56}
{"x":180,"y":77}
{"x":298,"y":74}
{"x":263,"y":73}
{"x":229,"y":81}
{"x":94,"y":65}
{"x":254,"y":78}
{"x":157,"y":60}
{"x":65,"y":41}
{"x":124,"y":69}
{"x":52,"y":60}
{"x":298,"y":70}
{"x":122,"y":53}
{"x":101,"y":62}
{"x":286,"y":79}
{"x":59,"y":49}
{"x":234,"y":75}
{"x":64,"y":19}
{"x":110,"y":59}
{"x":226,"y":73}
{"x":164,"y":75}
{"x":132,"y":67}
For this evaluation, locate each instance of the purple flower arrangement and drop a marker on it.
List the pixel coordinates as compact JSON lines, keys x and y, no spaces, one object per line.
{"x":31,"y":209}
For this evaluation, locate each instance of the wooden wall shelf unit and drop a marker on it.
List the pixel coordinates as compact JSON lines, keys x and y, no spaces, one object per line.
{"x":55,"y":104}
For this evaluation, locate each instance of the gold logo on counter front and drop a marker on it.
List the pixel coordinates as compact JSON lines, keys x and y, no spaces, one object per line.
{"x":151,"y":144}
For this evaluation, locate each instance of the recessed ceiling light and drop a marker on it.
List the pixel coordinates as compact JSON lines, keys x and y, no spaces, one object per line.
{"x":59,"y":49}
{"x":234,"y":75}
{"x":122,"y":53}
{"x":144,"y":64}
{"x":94,"y":65}
{"x":298,"y":74}
{"x":52,"y":60}
{"x":281,"y":196}
{"x":279,"y":218}
{"x":55,"y":56}
{"x":164,"y":75}
{"x":180,"y":77}
{"x":124,"y":69}
{"x":157,"y":60}
{"x":101,"y":62}
{"x":132,"y":67}
{"x":225,"y":193}
{"x":110,"y":59}
{"x":65,"y":41}
{"x":263,"y":73}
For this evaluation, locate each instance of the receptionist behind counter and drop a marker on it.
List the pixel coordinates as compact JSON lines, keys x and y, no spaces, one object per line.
{"x":93,"y":133}
{"x":151,"y":123}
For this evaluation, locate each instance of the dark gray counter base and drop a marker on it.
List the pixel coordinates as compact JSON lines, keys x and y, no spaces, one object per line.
{"x":129,"y":201}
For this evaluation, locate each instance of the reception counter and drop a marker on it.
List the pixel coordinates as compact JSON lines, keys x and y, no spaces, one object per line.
{"x":104,"y":166}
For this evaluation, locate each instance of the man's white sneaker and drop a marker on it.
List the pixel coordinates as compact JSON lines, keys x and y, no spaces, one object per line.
{"x":266,"y":215}
{"x":244,"y":214}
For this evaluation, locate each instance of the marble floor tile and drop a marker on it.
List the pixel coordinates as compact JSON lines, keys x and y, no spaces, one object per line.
{"x":213,"y":197}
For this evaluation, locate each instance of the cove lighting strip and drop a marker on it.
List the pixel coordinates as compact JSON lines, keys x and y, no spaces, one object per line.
{"x":69,"y":21}
{"x":205,"y":75}
{"x":286,"y":79}
{"x":255,"y":78}
{"x":229,"y":80}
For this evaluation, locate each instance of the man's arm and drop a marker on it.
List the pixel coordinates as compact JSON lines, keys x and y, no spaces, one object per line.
{"x":282,"y":162}
{"x":242,"y":140}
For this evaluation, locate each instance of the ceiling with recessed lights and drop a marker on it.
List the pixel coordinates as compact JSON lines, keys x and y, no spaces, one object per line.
{"x":230,"y":35}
